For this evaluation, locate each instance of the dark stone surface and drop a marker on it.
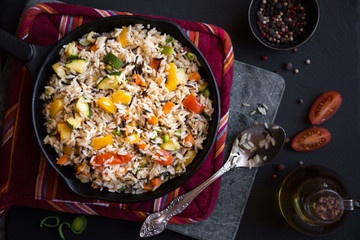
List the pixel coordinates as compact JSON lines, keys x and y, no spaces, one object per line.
{"x":254,"y":86}
{"x":333,"y":51}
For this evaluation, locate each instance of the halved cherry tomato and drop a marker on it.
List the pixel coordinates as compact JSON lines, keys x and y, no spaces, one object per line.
{"x":324,"y":107}
{"x":165,"y":158}
{"x":192,"y":104}
{"x":112,"y":159}
{"x":311,"y":139}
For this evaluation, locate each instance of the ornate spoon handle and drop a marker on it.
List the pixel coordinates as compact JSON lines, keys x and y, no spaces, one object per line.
{"x":155,"y":223}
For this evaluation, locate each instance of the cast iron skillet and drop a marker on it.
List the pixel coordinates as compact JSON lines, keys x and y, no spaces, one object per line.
{"x":39,"y":60}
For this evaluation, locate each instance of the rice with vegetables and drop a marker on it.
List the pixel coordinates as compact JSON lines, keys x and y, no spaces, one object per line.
{"x":127,"y":109}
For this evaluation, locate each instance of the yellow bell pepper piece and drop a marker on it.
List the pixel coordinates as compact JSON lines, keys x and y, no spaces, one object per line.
{"x":172,"y":78}
{"x":133,"y":138}
{"x":102,"y":142}
{"x":107,"y":105}
{"x":189,"y":156}
{"x":122,"y":97}
{"x":68,"y":150}
{"x":64,"y":131}
{"x":123,"y":37}
{"x":56,"y":107}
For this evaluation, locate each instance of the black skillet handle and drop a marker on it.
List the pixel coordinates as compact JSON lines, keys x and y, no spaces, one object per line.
{"x":30,"y":55}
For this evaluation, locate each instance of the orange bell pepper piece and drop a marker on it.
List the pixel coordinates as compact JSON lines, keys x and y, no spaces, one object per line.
{"x":192,"y":104}
{"x":168,"y":106}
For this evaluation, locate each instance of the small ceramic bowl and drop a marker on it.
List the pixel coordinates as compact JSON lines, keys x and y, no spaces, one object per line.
{"x":312,"y":17}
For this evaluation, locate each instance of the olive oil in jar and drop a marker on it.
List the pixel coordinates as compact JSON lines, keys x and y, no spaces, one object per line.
{"x":311,"y":200}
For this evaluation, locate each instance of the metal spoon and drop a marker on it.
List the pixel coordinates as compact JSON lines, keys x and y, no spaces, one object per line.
{"x":255,"y":147}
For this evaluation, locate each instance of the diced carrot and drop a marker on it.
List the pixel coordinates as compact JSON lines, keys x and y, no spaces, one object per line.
{"x":79,"y":169}
{"x":148,"y":187}
{"x":155,"y":63}
{"x":195,"y":76}
{"x":141,"y":144}
{"x":192,"y":104}
{"x":63,"y":160}
{"x":94,"y":48}
{"x":139,"y":80}
{"x":189,"y":138}
{"x":156,"y":182}
{"x":168,"y":106}
{"x":153,"y":120}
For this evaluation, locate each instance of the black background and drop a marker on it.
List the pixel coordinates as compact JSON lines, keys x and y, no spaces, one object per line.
{"x":334,"y":66}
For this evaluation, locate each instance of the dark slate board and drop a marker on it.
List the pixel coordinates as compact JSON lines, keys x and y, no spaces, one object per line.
{"x":254,"y":86}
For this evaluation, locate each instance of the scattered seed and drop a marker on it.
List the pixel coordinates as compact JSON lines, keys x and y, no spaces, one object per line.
{"x":288,"y":66}
{"x":274,"y":176}
{"x":300,"y":101}
{"x":266,"y":107}
{"x":252,"y":113}
{"x":300,"y":162}
{"x":264,"y":57}
{"x":287,"y":140}
{"x":246,"y":104}
{"x":296,"y":71}
{"x":280,"y":167}
{"x":307,"y":61}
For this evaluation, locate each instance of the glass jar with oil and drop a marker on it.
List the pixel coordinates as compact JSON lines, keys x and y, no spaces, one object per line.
{"x":312,"y":199}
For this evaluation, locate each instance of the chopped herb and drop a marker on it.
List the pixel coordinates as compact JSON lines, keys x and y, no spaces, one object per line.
{"x":43,"y":222}
{"x":122,"y":189}
{"x":190,"y":56}
{"x":60,"y":229}
{"x":170,"y":39}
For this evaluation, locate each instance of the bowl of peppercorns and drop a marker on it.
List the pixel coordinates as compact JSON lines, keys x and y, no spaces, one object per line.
{"x":283,"y":24}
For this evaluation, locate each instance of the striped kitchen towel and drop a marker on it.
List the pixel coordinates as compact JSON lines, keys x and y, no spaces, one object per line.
{"x":27,"y":179}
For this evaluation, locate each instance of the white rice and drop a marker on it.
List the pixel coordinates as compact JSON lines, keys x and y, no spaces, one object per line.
{"x":131,"y":177}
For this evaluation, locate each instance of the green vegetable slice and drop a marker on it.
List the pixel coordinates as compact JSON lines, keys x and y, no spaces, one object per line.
{"x":79,"y":224}
{"x":43,"y":222}
{"x":203,"y":86}
{"x":115,"y":74}
{"x":171,"y":145}
{"x":84,"y":42}
{"x":109,"y":83}
{"x":83,"y":107}
{"x":60,"y":229}
{"x":167,"y":50}
{"x":115,"y":61}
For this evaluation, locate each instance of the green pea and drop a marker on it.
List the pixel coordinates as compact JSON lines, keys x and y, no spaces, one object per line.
{"x":207,"y":93}
{"x":118,"y":132}
{"x":108,"y":67}
{"x":166,"y":138}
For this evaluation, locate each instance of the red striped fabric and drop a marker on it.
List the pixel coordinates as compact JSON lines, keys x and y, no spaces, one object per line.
{"x":28,"y":179}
